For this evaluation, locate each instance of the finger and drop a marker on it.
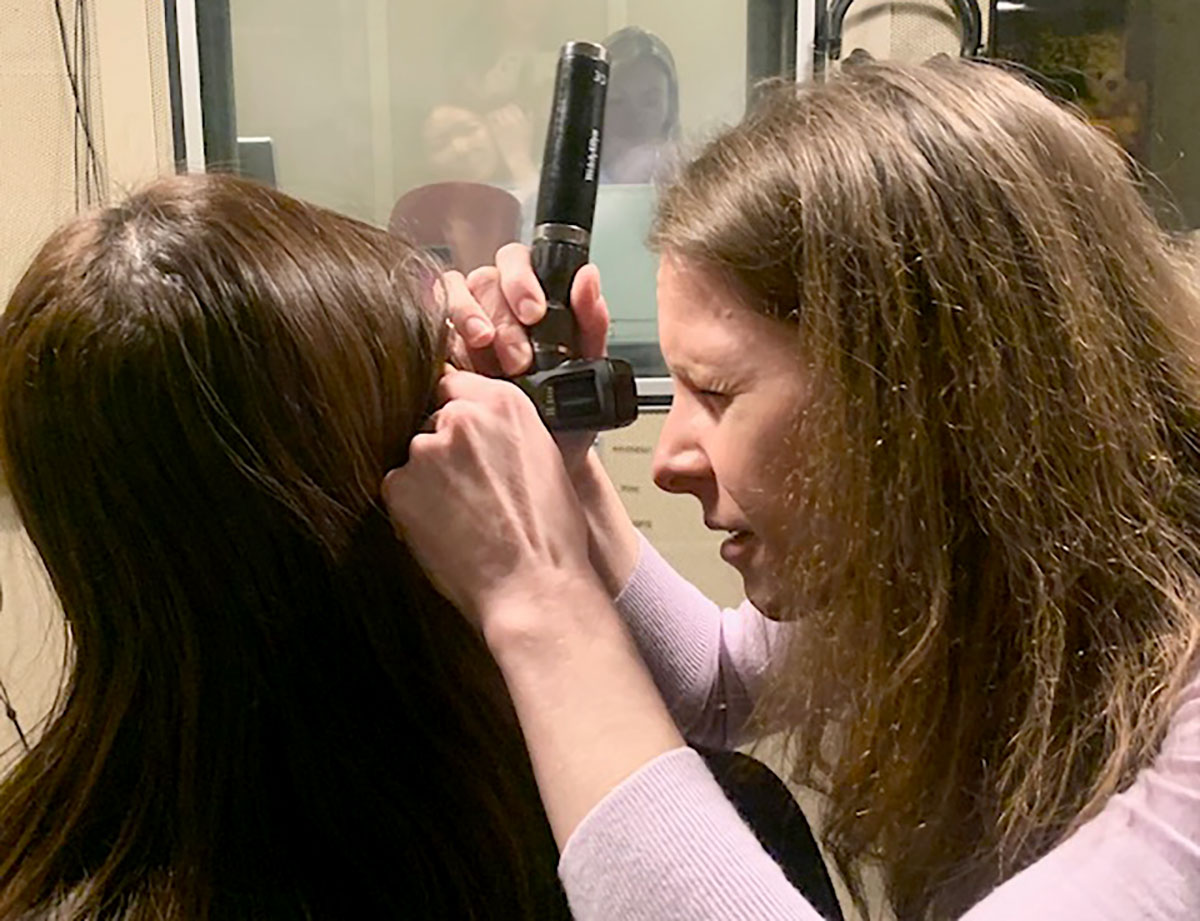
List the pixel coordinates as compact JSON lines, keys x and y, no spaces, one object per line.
{"x":460,"y":394}
{"x":468,"y":316}
{"x":519,"y":284}
{"x":428,"y":426}
{"x":396,"y":494}
{"x":482,"y":361}
{"x":591,"y":311}
{"x":391,"y":483}
{"x":465,"y":385}
{"x":393,"y":490}
{"x":510,"y":344}
{"x":458,"y":353}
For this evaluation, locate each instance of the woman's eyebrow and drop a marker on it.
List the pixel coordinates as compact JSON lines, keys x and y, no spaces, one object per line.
{"x":683,"y":368}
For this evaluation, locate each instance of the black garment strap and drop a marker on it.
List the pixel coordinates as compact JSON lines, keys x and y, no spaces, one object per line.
{"x":769,"y":809}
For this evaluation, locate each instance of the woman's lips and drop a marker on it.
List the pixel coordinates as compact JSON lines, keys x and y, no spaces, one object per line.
{"x":736,"y":546}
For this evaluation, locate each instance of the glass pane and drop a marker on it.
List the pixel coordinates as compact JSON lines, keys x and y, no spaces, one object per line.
{"x":432,"y":117}
{"x":1132,"y":66}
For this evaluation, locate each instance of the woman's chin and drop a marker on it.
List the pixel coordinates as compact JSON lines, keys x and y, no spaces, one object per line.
{"x":747,"y":556}
{"x":767,"y":598}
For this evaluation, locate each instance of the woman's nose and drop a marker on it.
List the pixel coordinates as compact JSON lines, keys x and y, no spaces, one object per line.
{"x":679,"y":465}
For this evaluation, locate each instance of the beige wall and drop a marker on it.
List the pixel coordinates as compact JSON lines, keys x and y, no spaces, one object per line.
{"x":32,"y":637}
{"x":37,"y":193}
{"x":131,"y":47}
{"x":37,"y":184}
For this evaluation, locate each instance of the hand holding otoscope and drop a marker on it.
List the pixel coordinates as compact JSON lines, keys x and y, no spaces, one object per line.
{"x":570,"y":391}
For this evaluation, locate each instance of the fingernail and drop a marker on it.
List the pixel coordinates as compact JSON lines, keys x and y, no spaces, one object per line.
{"x":478,"y":331}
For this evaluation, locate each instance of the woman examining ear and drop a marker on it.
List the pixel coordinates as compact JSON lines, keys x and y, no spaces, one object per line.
{"x":936,"y":375}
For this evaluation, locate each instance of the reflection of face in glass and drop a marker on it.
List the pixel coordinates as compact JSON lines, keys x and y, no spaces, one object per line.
{"x":638,"y":107}
{"x":459,"y":145}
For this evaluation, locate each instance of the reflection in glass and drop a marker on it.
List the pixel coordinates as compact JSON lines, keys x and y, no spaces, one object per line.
{"x":431,"y":118}
{"x":1131,"y":66}
{"x":641,"y":115}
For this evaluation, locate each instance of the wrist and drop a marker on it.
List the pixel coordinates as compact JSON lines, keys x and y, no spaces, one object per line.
{"x":541,"y":614}
{"x":588,"y":477}
{"x":613,"y":545}
{"x":588,"y":708}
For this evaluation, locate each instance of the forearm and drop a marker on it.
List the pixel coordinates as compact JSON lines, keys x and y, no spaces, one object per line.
{"x":612,"y":538}
{"x":676,"y":630}
{"x":588,"y":708}
{"x":706,"y":663}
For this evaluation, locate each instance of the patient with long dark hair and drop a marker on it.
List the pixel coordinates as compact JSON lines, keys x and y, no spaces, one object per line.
{"x":270,"y":712}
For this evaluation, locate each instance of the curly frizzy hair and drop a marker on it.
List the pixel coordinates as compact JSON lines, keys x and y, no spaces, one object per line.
{"x":996,"y":487}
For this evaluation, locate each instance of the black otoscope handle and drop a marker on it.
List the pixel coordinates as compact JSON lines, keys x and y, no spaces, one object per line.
{"x":572,"y":393}
{"x":566,"y":203}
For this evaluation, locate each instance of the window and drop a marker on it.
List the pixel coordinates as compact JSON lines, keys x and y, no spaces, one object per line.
{"x":431,"y":117}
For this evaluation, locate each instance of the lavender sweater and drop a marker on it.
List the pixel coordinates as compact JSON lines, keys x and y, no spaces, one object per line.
{"x":666,"y":844}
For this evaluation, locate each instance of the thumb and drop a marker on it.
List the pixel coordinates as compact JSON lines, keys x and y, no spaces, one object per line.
{"x":394,"y":492}
{"x":591,"y":311}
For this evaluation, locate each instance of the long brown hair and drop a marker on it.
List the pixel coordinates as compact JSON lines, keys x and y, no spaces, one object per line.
{"x":271,"y":712}
{"x":997,"y":485}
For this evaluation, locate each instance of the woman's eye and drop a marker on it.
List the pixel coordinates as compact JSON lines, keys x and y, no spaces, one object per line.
{"x":713,"y":397}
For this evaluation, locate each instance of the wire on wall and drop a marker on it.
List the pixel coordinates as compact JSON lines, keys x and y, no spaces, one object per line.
{"x":11,"y":713}
{"x":9,"y":710}
{"x":90,"y":188}
{"x":75,"y":42}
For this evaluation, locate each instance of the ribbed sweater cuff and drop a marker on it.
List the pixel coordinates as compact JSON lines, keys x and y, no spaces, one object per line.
{"x":677,"y":631}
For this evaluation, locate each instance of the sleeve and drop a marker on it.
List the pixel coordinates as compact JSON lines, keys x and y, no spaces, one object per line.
{"x":1138,"y":858}
{"x":708,"y":663}
{"x":667,"y":844}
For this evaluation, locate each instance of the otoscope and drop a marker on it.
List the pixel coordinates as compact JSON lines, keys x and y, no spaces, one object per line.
{"x":570,"y":392}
